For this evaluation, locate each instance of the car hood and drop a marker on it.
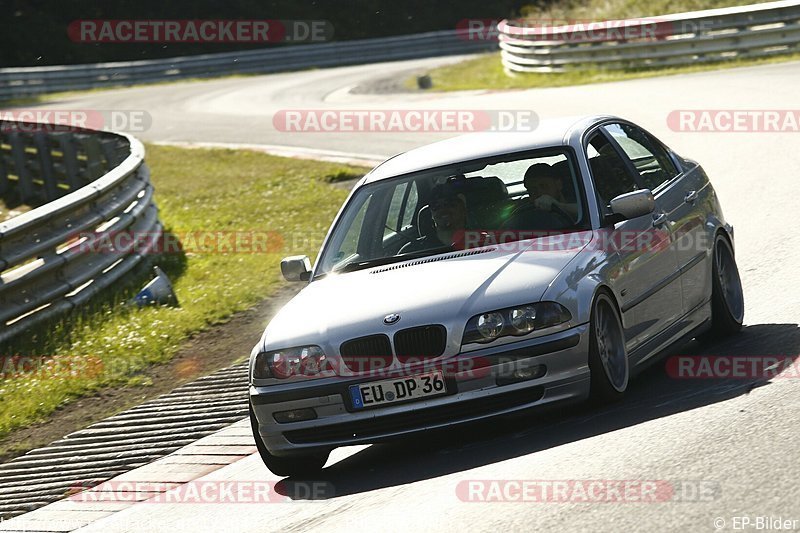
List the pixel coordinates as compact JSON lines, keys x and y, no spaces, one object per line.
{"x":441,"y":289}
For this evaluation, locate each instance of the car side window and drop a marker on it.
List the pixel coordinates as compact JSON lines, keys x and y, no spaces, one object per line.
{"x":651,"y":160}
{"x":609,"y":171}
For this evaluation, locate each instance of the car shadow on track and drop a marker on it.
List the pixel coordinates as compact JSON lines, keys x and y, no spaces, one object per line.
{"x":652,"y":394}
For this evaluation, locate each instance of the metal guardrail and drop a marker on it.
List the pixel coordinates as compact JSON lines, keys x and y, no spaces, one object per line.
{"x":679,"y":39}
{"x":21,"y":82}
{"x":91,"y":184}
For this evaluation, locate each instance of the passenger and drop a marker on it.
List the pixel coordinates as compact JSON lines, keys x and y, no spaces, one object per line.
{"x":546,"y":190}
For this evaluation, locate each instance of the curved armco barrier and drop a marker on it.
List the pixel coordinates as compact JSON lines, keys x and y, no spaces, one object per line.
{"x":22,"y":82}
{"x":679,"y":39}
{"x":91,"y":184}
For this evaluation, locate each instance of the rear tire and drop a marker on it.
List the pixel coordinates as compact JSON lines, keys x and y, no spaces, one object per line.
{"x":293,"y":465}
{"x":727,"y":296}
{"x":608,"y":356}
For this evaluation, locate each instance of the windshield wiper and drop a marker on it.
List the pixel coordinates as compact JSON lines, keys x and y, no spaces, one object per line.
{"x":360,"y":265}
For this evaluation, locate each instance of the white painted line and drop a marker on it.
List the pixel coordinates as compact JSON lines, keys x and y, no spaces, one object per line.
{"x":333,"y":156}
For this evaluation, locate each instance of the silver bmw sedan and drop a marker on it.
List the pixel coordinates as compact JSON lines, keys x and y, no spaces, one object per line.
{"x":488,"y":274}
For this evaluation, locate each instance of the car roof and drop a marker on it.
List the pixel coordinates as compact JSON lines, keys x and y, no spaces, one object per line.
{"x":549,"y":132}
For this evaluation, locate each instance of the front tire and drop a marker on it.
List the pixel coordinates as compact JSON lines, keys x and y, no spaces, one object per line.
{"x":727,"y":296}
{"x":294,"y":465}
{"x":608,"y":356}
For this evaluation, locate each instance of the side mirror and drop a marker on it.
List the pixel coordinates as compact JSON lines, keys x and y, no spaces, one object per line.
{"x":632,"y":205}
{"x":296,"y":268}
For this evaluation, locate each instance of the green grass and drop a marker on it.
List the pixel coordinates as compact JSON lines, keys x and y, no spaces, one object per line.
{"x":486,"y":72}
{"x":619,"y":9}
{"x":196,"y":190}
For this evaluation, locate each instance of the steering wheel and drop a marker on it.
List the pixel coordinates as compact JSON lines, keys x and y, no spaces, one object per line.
{"x":401,"y":235}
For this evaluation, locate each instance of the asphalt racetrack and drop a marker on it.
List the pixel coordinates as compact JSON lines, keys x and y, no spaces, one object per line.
{"x":730,"y":447}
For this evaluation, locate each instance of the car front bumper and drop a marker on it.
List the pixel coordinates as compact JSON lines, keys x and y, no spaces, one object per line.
{"x":472,"y":395}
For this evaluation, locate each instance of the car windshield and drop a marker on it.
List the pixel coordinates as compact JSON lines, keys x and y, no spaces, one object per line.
{"x":468,"y":205}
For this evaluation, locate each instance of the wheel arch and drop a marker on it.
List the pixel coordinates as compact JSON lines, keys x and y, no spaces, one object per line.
{"x":727,"y":233}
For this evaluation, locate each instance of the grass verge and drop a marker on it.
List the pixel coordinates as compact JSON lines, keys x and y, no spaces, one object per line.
{"x":287,"y":203}
{"x":486,"y":72}
{"x":586,"y":10}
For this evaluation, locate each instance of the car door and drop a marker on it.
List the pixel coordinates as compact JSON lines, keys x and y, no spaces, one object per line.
{"x":682,"y":196}
{"x":647,"y":284}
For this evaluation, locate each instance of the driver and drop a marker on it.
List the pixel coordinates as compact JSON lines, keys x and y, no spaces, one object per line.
{"x":546,"y":190}
{"x":449,"y":212}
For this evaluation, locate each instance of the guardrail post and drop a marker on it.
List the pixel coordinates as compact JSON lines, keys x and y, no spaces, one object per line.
{"x":24,"y":180}
{"x":95,"y":162}
{"x":49,"y":184}
{"x":66,"y":142}
{"x":4,"y":183}
{"x":109,"y":147}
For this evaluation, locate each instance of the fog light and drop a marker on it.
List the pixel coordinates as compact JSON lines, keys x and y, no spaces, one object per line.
{"x":295,"y":415}
{"x":508,"y":376}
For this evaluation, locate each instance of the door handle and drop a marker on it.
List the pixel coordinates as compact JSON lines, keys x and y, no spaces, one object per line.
{"x":658,"y":220}
{"x":691,"y":196}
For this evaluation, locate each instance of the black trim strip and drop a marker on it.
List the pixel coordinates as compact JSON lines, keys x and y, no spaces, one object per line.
{"x":651,"y":291}
{"x":666,"y":333}
{"x":692,"y":262}
{"x":538,"y":349}
{"x":663,"y":283}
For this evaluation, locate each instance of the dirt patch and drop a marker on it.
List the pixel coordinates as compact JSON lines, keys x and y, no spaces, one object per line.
{"x":395,"y":84}
{"x":215,"y":348}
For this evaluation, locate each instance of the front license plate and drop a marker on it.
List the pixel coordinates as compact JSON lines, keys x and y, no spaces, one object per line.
{"x":365,"y":395}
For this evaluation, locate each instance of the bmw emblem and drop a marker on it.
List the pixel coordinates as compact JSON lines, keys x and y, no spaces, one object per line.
{"x":391,"y":319}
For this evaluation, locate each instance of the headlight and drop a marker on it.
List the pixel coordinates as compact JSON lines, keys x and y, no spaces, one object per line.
{"x":516,"y":321}
{"x":305,"y":361}
{"x":523,"y":319}
{"x":490,"y":325}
